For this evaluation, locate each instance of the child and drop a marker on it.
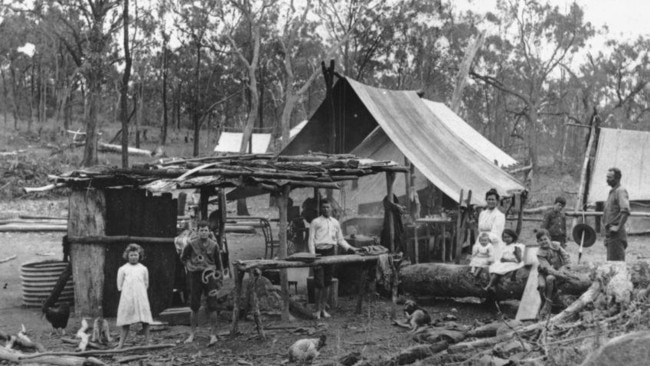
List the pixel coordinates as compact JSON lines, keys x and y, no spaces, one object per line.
{"x":132,"y":282}
{"x":512,"y":258}
{"x":482,"y":254}
{"x":201,"y":259}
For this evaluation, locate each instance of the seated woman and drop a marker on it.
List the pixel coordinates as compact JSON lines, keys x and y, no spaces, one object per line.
{"x":512,"y":258}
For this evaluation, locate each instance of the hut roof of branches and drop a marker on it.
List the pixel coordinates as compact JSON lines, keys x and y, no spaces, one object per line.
{"x":262,"y":171}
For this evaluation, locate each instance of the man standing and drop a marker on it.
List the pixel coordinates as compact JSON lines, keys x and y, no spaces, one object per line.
{"x":201,"y":259}
{"x":617,"y":209}
{"x":324,"y":235}
{"x":555,"y":221}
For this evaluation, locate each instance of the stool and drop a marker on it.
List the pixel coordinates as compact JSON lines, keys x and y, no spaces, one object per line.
{"x":333,"y":301}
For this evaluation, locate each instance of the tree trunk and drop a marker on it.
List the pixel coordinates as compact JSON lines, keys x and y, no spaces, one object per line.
{"x":124,"y":89}
{"x":14,"y":97}
{"x":463,"y":71}
{"x":531,"y":137}
{"x":94,"y":77}
{"x":5,"y":93}
{"x":163,"y":130}
{"x":139,"y":114}
{"x":285,"y":122}
{"x":196,"y":116}
{"x":451,"y":280}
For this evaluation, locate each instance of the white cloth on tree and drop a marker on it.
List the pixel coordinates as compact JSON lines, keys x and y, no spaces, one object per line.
{"x":508,"y":252}
{"x":133,"y":281}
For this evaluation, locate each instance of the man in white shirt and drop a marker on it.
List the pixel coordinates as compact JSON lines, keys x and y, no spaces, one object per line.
{"x":324,"y":235}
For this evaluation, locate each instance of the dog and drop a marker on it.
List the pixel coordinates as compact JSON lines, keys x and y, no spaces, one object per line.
{"x":416,"y":317}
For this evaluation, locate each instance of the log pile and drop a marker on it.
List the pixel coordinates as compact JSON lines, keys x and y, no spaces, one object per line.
{"x":267,"y":172}
{"x":614,"y":303}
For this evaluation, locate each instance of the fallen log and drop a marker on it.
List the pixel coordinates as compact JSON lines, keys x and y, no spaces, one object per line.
{"x":588,"y":297}
{"x":39,"y":217}
{"x":101,"y":352}
{"x":38,"y":359}
{"x":24,"y":228}
{"x":7,"y":259}
{"x":452,"y":280}
{"x":34,"y":222}
{"x":102,"y":146}
{"x":44,"y":188}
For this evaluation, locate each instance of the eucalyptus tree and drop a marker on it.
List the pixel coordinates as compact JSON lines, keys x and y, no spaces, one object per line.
{"x":86,"y":29}
{"x":533,"y":40}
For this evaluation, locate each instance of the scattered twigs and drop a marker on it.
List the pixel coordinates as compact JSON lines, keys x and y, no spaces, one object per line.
{"x":101,"y":352}
{"x":7,"y":259}
{"x":92,"y":345}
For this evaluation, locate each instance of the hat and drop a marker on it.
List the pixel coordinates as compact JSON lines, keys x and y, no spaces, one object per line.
{"x":511,"y":233}
{"x":589,"y":235}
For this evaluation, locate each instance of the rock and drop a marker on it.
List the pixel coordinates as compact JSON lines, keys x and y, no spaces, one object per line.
{"x":632,"y":349}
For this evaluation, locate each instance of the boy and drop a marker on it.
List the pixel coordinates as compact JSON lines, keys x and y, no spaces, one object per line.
{"x":555,"y":221}
{"x":552,"y":258}
{"x":200,"y":257}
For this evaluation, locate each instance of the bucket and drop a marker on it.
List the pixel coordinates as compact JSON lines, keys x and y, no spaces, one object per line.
{"x":38,"y":280}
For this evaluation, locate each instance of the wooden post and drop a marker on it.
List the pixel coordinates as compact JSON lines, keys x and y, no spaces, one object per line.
{"x":520,"y":217}
{"x":86,"y":217}
{"x":239,"y":277}
{"x":203,"y":203}
{"x":407,"y":180}
{"x":583,"y":171}
{"x":390,"y":178}
{"x":223,"y":245}
{"x":284,"y":280}
{"x":363,"y":283}
{"x":254,"y":275}
{"x":459,"y":237}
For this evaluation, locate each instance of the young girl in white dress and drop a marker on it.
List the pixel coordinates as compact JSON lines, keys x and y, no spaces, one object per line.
{"x":482,"y":254}
{"x":132,"y":282}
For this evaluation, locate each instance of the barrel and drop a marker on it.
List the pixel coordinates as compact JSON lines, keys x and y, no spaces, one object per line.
{"x":38,"y":280}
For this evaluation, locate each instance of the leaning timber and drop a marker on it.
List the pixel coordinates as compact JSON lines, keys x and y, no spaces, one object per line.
{"x":451,"y":280}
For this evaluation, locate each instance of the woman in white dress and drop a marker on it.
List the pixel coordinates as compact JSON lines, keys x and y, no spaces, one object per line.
{"x":492,"y":221}
{"x":512,"y":258}
{"x":132,"y":282}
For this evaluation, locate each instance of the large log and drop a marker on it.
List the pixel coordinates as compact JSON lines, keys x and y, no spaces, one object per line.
{"x":452,"y":280}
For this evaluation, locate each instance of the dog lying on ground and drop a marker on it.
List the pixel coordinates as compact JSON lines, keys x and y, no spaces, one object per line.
{"x":416,"y":317}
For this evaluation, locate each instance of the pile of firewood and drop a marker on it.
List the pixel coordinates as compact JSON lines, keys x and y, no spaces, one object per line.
{"x":613,"y":305}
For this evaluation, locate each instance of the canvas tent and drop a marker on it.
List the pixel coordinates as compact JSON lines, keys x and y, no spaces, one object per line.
{"x":374,"y":122}
{"x":630,"y":152}
{"x":467,"y":133}
{"x":231,"y":142}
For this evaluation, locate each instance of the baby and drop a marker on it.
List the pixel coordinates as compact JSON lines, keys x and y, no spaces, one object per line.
{"x":482,"y":254}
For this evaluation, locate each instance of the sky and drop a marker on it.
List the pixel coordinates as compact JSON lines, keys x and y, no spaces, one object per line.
{"x":626,"y":19}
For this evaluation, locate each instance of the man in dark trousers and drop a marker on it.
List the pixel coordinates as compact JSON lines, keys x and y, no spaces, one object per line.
{"x":204,"y":277}
{"x":324,"y":236}
{"x":617,"y":209}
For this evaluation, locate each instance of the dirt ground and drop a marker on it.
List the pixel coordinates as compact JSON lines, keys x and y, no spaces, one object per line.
{"x":370,"y":333}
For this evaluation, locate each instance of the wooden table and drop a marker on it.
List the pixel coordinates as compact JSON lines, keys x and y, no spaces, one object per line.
{"x":439,"y":222}
{"x":254,"y":268}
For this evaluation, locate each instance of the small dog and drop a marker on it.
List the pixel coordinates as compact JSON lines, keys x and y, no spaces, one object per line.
{"x":416,"y":317}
